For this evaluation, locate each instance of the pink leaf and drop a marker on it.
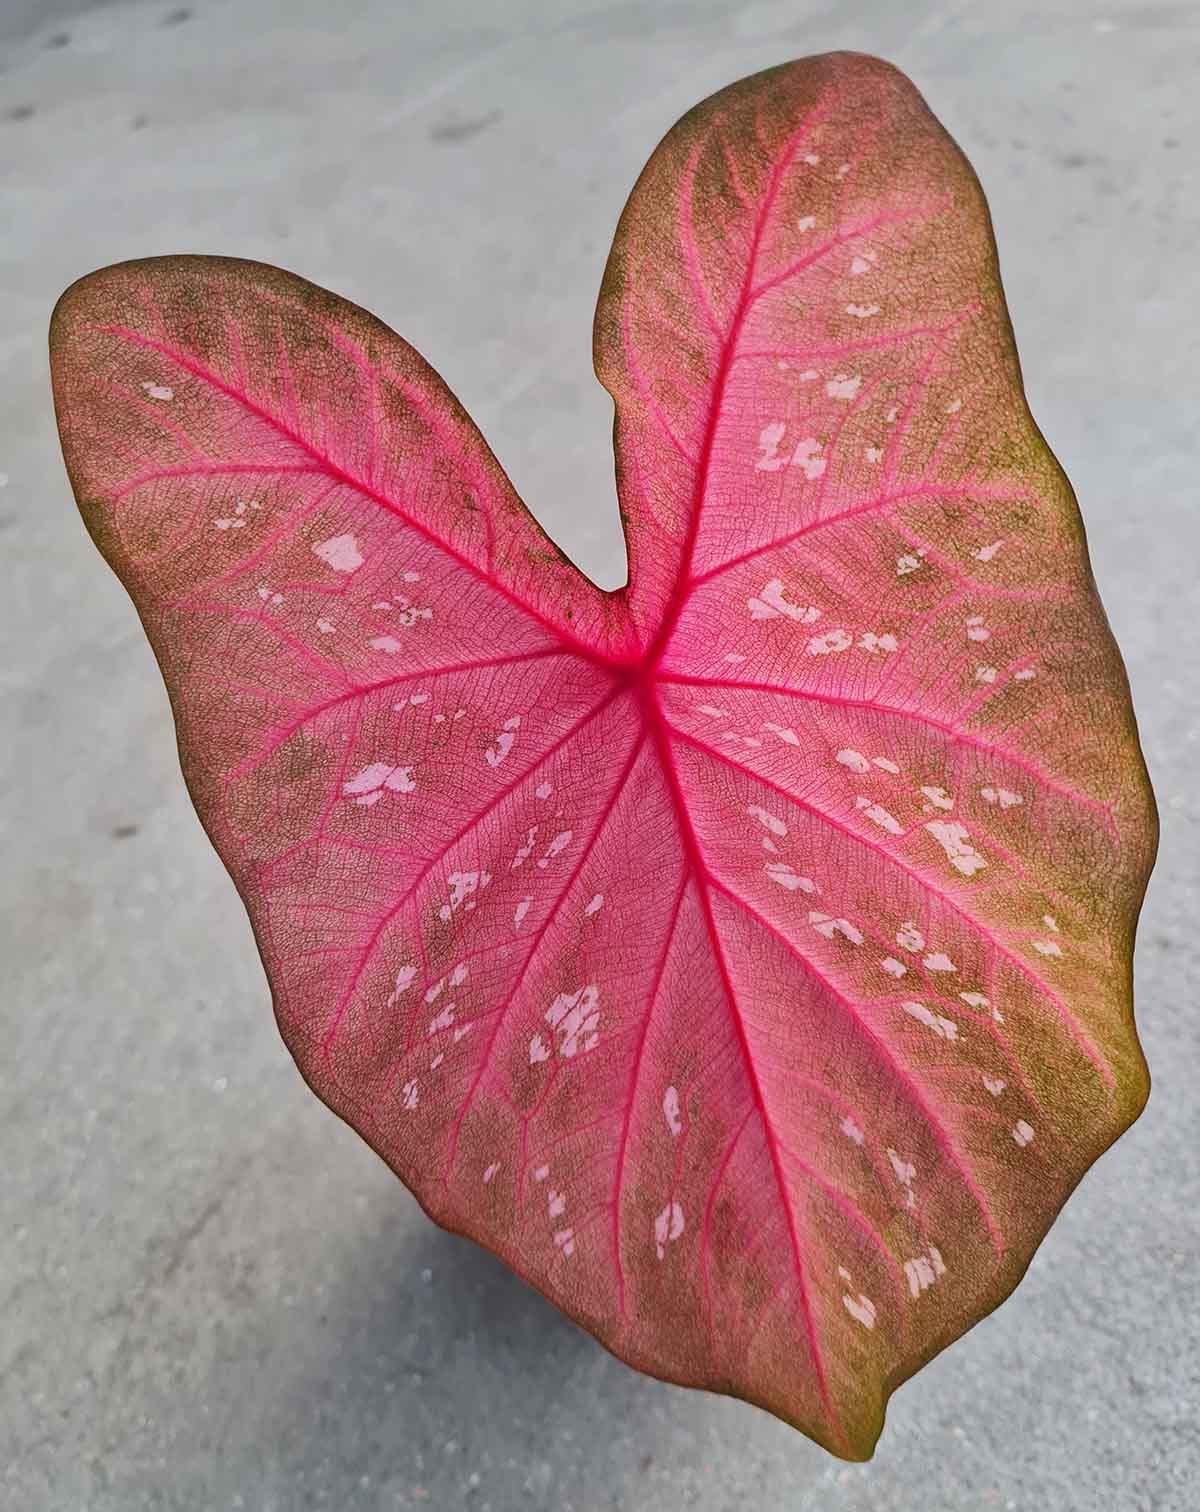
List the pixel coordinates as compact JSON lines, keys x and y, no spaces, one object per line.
{"x":744,"y":955}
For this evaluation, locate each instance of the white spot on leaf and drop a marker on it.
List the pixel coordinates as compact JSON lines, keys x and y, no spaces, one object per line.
{"x":575,"y":1019}
{"x":526,"y":850}
{"x":843,"y":386}
{"x":556,"y":846}
{"x":904,"y":1169}
{"x":404,"y":980}
{"x":772,"y":602}
{"x":976,"y":629}
{"x":368,"y":785}
{"x":807,"y":457}
{"x":955,"y":841}
{"x":944,"y":1028}
{"x":505,"y":741}
{"x":923,"y":1270}
{"x":980,"y":1001}
{"x":877,"y":814}
{"x":341,"y":552}
{"x":1002,"y":796}
{"x":832,"y":640}
{"x":667,"y":1228}
{"x":768,"y":821}
{"x":769,"y":438}
{"x":462,"y":887}
{"x":443,"y":1020}
{"x":860,"y":1308}
{"x":827,"y":925}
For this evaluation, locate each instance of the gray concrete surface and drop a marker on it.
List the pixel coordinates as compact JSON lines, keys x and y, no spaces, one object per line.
{"x":214,"y":1296}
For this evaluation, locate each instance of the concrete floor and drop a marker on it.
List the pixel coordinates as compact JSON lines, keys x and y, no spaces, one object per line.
{"x":214,"y":1296}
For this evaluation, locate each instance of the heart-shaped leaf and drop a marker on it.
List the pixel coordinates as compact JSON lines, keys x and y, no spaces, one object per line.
{"x":744,"y":956}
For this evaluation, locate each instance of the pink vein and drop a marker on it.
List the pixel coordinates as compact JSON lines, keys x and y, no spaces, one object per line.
{"x":731,"y":168}
{"x":643,"y":385}
{"x":214,"y":470}
{"x":705,"y":880}
{"x":1068,"y":1018}
{"x":885,"y":1052}
{"x":856,"y":1216}
{"x":687,"y":235}
{"x":369,"y":948}
{"x":502,"y":1012}
{"x":267,"y":545}
{"x":873,"y":506}
{"x":959,"y":737}
{"x":679,"y":591}
{"x":841,"y":348}
{"x":206,"y":375}
{"x":631,"y":1096}
{"x":259,"y":617}
{"x":364,"y":691}
{"x":718,"y":1178}
{"x":884,"y":218}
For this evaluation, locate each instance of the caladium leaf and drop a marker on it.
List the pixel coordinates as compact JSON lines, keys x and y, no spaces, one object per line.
{"x":745,"y":955}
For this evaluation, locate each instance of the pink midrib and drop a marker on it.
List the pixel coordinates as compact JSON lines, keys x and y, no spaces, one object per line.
{"x":682,"y":587}
{"x":698,"y":867}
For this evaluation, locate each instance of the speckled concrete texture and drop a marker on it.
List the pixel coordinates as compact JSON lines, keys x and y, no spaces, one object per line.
{"x":214,"y":1295}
